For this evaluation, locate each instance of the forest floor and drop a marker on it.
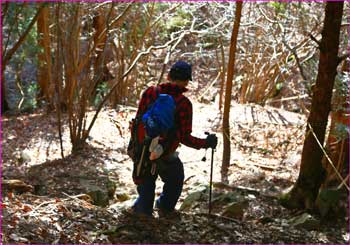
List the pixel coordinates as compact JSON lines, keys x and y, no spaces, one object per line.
{"x":265,"y":160}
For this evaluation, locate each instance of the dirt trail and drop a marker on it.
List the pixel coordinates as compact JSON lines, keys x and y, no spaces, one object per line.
{"x":266,"y":146}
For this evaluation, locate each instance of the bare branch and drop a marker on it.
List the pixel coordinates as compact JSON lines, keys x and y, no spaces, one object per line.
{"x":265,"y":16}
{"x":10,"y":53}
{"x":116,"y":21}
{"x":4,"y":48}
{"x":315,"y":40}
{"x":132,"y":65}
{"x":171,"y":50}
{"x":294,"y":52}
{"x":164,"y":13}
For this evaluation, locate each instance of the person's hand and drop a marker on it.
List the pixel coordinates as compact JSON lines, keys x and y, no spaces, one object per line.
{"x":211,"y":141}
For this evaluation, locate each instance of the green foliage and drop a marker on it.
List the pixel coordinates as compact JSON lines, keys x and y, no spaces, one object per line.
{"x":179,"y":21}
{"x":16,"y":22}
{"x":291,"y":58}
{"x":30,"y":94}
{"x":340,"y":99}
{"x":161,"y":7}
{"x":342,"y":131}
{"x":176,"y":22}
{"x":101,"y":91}
{"x":280,"y":7}
{"x":279,"y":86}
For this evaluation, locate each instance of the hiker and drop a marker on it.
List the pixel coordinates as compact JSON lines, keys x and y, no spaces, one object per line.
{"x":168,"y":165}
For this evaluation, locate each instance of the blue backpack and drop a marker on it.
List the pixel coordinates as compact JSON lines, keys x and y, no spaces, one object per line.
{"x":159,"y":118}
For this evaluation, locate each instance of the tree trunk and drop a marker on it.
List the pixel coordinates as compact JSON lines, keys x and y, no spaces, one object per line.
{"x":337,"y":145}
{"x":44,"y":58}
{"x":223,"y":73}
{"x":57,"y":75}
{"x":230,"y":72}
{"x":311,"y":175}
{"x":100,"y":38}
{"x":101,"y":72}
{"x":4,"y":104}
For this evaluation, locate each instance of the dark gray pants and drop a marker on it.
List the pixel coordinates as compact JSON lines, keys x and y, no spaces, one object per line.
{"x":171,"y":172}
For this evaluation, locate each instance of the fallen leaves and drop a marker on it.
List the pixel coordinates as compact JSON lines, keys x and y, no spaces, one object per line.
{"x":60,"y":211}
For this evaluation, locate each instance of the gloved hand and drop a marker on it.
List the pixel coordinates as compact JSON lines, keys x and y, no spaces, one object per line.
{"x":211,"y":141}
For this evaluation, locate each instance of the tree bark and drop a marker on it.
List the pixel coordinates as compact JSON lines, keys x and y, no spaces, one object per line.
{"x":100,"y":37}
{"x":44,"y":58}
{"x":4,"y":104}
{"x":223,"y":73}
{"x":58,"y":64}
{"x":230,"y":72}
{"x":311,"y":175}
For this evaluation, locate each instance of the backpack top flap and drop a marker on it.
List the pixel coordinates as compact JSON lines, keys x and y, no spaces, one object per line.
{"x":159,"y":118}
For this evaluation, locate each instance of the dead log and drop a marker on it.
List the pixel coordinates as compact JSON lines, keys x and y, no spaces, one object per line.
{"x":15,"y":185}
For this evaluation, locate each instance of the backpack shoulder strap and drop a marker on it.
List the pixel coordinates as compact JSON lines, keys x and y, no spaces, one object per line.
{"x":154,"y":94}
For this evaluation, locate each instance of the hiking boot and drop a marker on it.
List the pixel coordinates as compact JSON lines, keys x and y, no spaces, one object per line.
{"x":165,"y":214}
{"x":131,"y":212}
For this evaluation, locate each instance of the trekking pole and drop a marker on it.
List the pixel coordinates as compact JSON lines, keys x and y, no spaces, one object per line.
{"x":139,"y":165}
{"x":211,"y":178}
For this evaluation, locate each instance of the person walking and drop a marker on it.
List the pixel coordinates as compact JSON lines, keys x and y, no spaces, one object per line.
{"x":169,"y":166}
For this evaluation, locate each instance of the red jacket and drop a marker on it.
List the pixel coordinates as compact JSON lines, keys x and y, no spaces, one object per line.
{"x":183,"y":116}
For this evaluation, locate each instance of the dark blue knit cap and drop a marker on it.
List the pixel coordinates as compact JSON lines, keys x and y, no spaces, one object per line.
{"x":181,"y":70}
